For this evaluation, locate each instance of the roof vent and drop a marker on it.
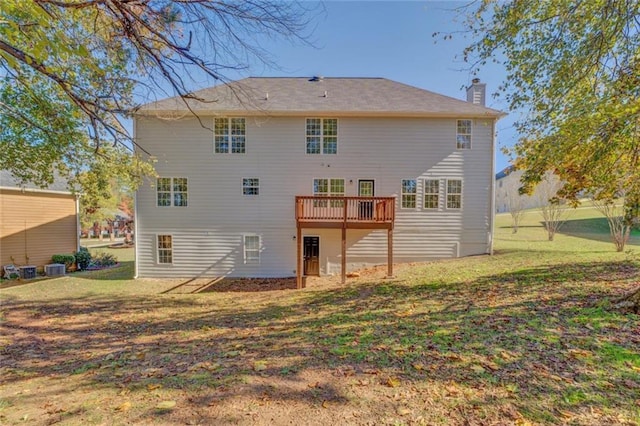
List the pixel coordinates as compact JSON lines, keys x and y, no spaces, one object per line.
{"x":317,"y":78}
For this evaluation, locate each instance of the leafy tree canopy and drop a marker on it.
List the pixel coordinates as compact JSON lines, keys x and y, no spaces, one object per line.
{"x":69,"y":69}
{"x":574,"y":67}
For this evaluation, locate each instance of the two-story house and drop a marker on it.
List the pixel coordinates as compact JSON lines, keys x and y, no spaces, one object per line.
{"x":276,"y":177}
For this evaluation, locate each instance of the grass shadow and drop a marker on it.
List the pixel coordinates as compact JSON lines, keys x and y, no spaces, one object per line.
{"x":529,"y":339}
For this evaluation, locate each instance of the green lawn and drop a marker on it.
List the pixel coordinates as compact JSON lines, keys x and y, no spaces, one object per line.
{"x":526,"y":336}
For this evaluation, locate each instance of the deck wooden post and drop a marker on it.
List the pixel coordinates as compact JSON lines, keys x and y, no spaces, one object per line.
{"x":344,"y":255}
{"x":299,"y":259}
{"x":389,"y":253}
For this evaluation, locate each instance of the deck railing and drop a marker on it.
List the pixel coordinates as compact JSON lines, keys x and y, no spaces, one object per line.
{"x":345,"y":209}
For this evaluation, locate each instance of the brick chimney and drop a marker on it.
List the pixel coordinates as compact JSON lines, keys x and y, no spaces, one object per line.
{"x":476,"y":93}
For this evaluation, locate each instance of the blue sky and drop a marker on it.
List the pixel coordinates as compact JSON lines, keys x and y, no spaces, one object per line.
{"x":390,"y":39}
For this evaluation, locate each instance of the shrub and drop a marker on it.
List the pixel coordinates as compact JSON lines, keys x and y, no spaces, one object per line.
{"x":83,"y":258}
{"x":104,"y":259}
{"x":67,"y":259}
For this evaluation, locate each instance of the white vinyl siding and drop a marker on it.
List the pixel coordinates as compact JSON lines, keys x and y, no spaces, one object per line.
{"x":250,"y":186}
{"x":409,"y":193}
{"x":172,"y":192}
{"x":431,"y":193}
{"x":252,"y":249}
{"x":322,"y":136}
{"x":454,"y":193}
{"x":230,"y":135}
{"x":463,"y":134}
{"x":208,"y":235}
{"x":164,"y":249}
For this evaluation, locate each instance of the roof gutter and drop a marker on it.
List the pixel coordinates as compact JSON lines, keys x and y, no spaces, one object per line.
{"x":36,"y":190}
{"x":173,"y":114}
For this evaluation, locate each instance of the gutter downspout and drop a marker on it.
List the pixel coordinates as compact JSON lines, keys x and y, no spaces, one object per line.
{"x":78,"y":228}
{"x":135,"y":216}
{"x":492,"y":188}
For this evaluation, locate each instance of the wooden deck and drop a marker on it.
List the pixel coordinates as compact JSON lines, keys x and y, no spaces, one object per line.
{"x":345,"y":213}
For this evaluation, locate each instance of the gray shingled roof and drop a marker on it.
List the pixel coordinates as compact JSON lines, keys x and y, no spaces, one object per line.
{"x":299,"y":96}
{"x":7,"y":180}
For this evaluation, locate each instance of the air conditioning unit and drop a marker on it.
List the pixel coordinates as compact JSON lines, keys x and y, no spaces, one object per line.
{"x":28,"y":272}
{"x":54,"y":269}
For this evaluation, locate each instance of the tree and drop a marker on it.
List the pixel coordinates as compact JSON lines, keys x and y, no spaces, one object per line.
{"x":574,"y":67}
{"x":516,"y":203}
{"x":553,"y":209}
{"x":107,"y":183}
{"x":69,"y":68}
{"x":619,"y":228}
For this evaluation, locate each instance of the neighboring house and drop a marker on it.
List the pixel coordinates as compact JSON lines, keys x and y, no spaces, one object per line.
{"x":285,"y":176}
{"x":507,"y":191}
{"x":36,"y":223}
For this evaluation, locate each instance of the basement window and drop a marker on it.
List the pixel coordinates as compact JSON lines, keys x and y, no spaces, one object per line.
{"x":252,"y":249}
{"x":164,"y":248}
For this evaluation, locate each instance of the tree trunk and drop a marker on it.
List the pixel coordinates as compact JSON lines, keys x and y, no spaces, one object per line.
{"x":629,"y":303}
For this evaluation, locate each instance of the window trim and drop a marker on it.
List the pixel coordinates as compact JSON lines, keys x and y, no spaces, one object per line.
{"x":157,"y":250}
{"x":245,"y":250}
{"x":425,"y":194}
{"x":257,"y":187}
{"x":229,"y":135}
{"x":402,"y":194}
{"x":446,"y":189}
{"x":306,"y":135}
{"x":329,"y":193}
{"x":171,"y":191}
{"x":470,"y":134}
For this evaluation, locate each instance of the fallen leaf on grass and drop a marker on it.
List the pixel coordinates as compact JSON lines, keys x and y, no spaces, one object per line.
{"x":418,"y":366}
{"x":260,"y":365}
{"x":492,"y":366}
{"x":580,"y":353}
{"x":454,"y":357}
{"x":566,"y":414}
{"x":125,"y":406}
{"x":403,"y":411}
{"x":478,"y":369}
{"x":153,"y":386}
{"x":392,"y":382}
{"x":166,"y":405}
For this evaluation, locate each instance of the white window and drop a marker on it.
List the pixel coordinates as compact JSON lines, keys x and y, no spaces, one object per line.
{"x":252,"y":249}
{"x":172,"y":192}
{"x":250,"y":186}
{"x":322,"y":136}
{"x":230,"y":135}
{"x":431,"y":193}
{"x":463,"y":134}
{"x":328,"y":188}
{"x":454,"y":193}
{"x":408,"y":193}
{"x":164,"y":249}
